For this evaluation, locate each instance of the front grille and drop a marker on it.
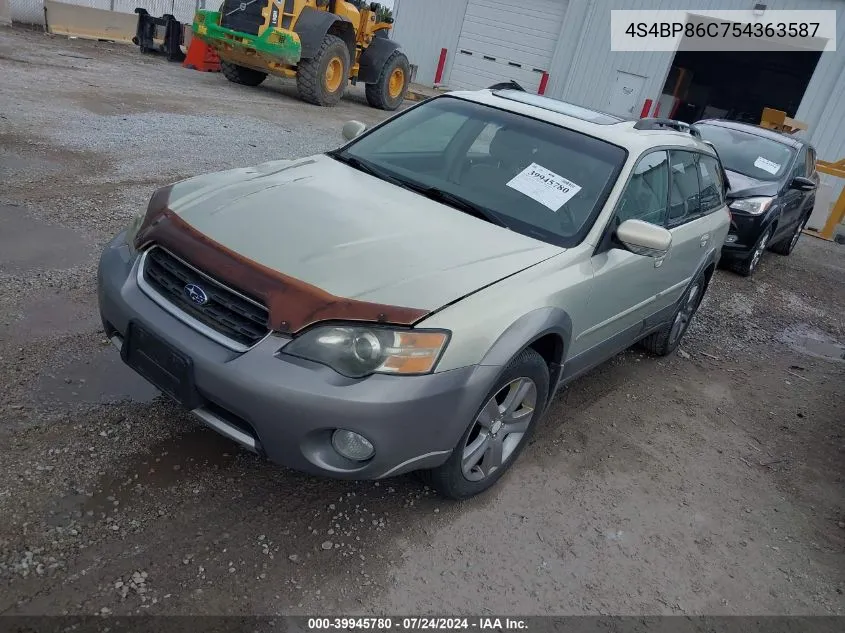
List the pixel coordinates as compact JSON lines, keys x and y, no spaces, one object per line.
{"x":225,"y":312}
{"x":243,"y":16}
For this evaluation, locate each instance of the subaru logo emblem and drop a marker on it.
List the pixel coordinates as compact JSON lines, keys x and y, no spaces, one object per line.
{"x":196,"y":294}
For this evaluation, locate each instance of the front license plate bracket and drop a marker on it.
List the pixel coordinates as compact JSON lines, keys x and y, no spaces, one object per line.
{"x":158,"y":362}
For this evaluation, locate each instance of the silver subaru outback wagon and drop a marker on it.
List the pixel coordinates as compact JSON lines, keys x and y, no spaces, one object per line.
{"x":412,"y":300}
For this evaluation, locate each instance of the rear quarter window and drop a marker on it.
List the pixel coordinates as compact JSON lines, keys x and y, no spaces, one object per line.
{"x":684,"y":191}
{"x":710,"y":183}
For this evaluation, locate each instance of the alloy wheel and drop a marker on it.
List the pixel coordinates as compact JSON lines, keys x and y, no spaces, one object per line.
{"x":795,"y":236}
{"x":761,"y":248}
{"x":499,"y":429}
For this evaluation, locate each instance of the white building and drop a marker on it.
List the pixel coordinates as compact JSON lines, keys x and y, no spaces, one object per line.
{"x":489,"y":41}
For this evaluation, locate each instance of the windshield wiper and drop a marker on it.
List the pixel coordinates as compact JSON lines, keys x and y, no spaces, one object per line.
{"x":460,"y":203}
{"x":367,"y":167}
{"x":451,"y":199}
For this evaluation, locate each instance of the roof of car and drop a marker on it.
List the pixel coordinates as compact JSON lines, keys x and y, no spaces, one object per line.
{"x":757,"y":130}
{"x":561,"y":107}
{"x":608,"y":127}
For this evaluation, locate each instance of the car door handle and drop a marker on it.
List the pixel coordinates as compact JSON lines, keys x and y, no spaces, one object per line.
{"x":704,"y":239}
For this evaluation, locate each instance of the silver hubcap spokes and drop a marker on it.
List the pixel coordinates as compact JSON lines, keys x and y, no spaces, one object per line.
{"x":499,"y":428}
{"x":758,"y":253}
{"x":795,"y":237}
{"x":684,"y":315}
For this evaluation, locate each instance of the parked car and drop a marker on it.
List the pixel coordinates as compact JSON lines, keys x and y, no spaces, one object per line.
{"x":412,"y":300}
{"x":772,"y":189}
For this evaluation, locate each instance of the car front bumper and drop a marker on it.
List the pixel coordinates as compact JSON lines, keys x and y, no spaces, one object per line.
{"x":744,"y":232}
{"x":287,"y":408}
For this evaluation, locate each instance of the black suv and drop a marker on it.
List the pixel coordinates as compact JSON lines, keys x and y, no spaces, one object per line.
{"x":772,"y":188}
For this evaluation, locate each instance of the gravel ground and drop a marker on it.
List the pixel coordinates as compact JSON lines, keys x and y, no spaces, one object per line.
{"x":710,"y":482}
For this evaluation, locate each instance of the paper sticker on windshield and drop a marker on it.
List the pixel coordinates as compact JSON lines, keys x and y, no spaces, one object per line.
{"x":546,"y":187}
{"x":766,"y":165}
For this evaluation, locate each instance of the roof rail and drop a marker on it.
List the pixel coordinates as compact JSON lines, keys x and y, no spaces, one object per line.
{"x":657,"y":123}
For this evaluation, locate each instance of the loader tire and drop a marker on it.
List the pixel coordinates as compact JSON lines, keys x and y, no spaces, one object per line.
{"x":388,"y":91}
{"x":241,"y":74}
{"x":322,"y":79}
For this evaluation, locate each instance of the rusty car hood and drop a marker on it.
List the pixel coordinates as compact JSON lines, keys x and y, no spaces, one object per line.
{"x":352,"y":234}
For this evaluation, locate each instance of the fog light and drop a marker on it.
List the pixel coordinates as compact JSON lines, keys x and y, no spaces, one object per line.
{"x":352,"y":445}
{"x":730,"y":239}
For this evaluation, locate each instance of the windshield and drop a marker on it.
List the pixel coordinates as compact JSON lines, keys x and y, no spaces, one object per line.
{"x":748,"y":154}
{"x":530,"y":176}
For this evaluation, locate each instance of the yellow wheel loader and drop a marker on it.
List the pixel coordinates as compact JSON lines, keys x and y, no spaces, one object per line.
{"x":322,"y":43}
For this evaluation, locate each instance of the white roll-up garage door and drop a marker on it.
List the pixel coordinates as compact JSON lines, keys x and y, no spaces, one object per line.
{"x":501,"y":40}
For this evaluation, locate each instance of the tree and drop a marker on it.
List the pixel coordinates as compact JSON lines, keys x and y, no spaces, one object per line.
{"x":384,"y":14}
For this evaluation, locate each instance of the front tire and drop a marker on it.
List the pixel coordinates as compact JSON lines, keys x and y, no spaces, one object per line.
{"x":241,"y":74}
{"x":388,"y":91}
{"x":786,"y":246}
{"x":499,"y":432}
{"x":747,"y":266}
{"x":322,"y":79}
{"x":667,"y":339}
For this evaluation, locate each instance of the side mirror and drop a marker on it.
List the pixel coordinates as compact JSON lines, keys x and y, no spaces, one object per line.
{"x":802,"y":184}
{"x":352,"y":129}
{"x":643,"y":238}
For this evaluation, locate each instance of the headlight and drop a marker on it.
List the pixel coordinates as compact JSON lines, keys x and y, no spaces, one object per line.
{"x":358,"y":351}
{"x":158,"y":201}
{"x":132,"y":230}
{"x":752,"y":206}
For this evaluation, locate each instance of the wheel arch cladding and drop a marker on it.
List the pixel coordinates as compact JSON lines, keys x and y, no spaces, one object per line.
{"x":374,"y":57}
{"x":546,"y":330}
{"x":312,"y":25}
{"x":345,"y":31}
{"x":706,"y":268}
{"x":771,"y":219}
{"x":709,"y":269}
{"x":708,"y":260}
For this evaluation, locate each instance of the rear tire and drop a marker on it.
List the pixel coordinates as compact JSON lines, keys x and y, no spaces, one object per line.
{"x":388,"y":91}
{"x":667,"y":339}
{"x":241,"y":74}
{"x":491,"y":442}
{"x":787,"y":245}
{"x":322,"y":79}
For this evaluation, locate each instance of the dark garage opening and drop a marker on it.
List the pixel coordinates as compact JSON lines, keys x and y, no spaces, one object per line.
{"x":736,"y":85}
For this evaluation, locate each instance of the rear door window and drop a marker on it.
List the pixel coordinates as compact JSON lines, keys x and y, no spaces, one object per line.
{"x":684,"y":194}
{"x":710,"y":183}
